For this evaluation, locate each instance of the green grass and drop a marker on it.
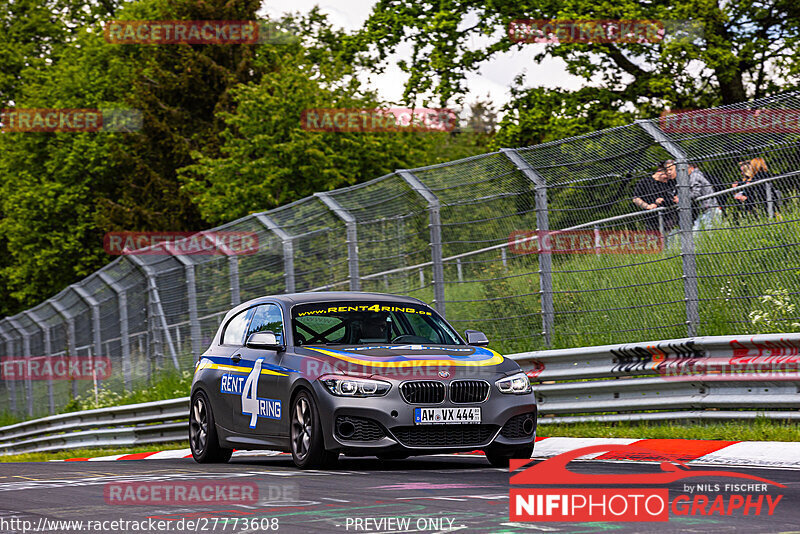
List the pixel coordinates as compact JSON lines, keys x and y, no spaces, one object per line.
{"x":620,"y":298}
{"x":167,"y":385}
{"x":756,"y":430}
{"x":89,"y":453}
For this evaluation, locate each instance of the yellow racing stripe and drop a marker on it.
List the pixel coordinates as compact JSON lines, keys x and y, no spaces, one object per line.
{"x":206,"y":364}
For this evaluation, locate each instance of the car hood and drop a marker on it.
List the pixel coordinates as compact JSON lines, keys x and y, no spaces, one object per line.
{"x":411,"y":361}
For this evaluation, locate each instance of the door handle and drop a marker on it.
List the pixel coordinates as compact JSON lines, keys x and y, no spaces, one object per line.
{"x":236,"y":358}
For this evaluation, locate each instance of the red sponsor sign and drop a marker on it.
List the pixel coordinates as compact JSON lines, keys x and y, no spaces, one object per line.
{"x":181,"y":243}
{"x":55,"y":368}
{"x":569,"y":504}
{"x":620,"y":500}
{"x":180,"y":493}
{"x":585,"y":242}
{"x":182,"y":31}
{"x":586,"y":31}
{"x":731,"y":121}
{"x":378,"y":120}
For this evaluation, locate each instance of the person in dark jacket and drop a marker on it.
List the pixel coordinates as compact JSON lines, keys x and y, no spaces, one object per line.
{"x":753,"y":199}
{"x":653,"y":192}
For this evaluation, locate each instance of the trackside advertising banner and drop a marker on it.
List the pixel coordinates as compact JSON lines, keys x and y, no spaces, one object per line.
{"x":548,"y":491}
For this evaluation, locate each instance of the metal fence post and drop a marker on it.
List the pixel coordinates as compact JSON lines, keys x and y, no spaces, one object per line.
{"x":26,"y":352}
{"x":48,"y":351}
{"x":124,"y":334}
{"x":95,"y":307}
{"x":288,"y":248}
{"x":10,"y":384}
{"x":70,"y":323}
{"x":155,"y":301}
{"x":690,"y":290}
{"x":233,"y":272}
{"x":770,"y":201}
{"x":352,"y":237}
{"x":434,"y":217}
{"x":545,"y":259}
{"x":191,"y":296}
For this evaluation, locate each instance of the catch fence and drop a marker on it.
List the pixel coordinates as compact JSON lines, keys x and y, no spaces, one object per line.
{"x":469,"y":237}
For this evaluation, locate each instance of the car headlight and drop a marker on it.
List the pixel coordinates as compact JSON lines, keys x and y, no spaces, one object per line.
{"x":344,"y":386}
{"x":518,"y":384}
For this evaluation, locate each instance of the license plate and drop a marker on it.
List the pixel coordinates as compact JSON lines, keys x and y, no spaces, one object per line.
{"x":447,"y":416}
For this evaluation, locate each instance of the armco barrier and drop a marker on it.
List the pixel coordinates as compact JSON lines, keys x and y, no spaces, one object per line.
{"x":702,"y":378}
{"x":120,"y":426}
{"x":720,"y":377}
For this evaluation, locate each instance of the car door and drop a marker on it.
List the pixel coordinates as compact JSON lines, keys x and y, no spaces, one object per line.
{"x":263,"y":413}
{"x":231,"y":376}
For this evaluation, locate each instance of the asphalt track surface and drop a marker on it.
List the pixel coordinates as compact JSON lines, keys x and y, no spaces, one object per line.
{"x":462,"y":492}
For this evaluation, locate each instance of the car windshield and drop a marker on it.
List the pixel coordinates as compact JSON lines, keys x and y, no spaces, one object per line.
{"x":369,"y":323}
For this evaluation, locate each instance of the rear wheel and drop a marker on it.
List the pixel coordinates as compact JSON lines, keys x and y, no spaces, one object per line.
{"x":203,"y":438}
{"x":500,"y":457}
{"x":308,"y":445}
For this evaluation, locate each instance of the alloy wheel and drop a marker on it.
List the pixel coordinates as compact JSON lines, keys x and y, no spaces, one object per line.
{"x":301,"y":428}
{"x":198,"y":425}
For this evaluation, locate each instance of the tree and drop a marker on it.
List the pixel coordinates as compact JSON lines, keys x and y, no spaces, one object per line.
{"x":266,"y":158}
{"x":743,"y":50}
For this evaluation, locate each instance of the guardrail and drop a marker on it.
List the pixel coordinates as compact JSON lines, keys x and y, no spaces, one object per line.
{"x":120,"y":426}
{"x":702,"y":378}
{"x":719,"y":377}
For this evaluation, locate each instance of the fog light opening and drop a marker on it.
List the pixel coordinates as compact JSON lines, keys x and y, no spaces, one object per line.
{"x":346,"y":429}
{"x":527,"y":425}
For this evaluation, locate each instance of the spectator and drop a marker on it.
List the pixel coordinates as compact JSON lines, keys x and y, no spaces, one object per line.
{"x":710,"y":210}
{"x":653,"y":192}
{"x":751,"y":198}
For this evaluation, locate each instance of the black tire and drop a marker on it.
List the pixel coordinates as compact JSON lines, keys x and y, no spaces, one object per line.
{"x":500,"y":457}
{"x":203,"y":438}
{"x":307,"y":442}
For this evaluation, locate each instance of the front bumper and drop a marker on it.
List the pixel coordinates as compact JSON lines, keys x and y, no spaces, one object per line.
{"x":393,"y":430}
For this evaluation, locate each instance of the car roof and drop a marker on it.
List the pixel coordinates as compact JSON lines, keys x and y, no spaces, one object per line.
{"x":326,"y":296}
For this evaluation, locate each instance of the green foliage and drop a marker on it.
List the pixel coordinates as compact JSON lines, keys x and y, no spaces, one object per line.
{"x":168,"y":385}
{"x":758,"y":429}
{"x":714,"y":53}
{"x":618,"y":298}
{"x":89,"y":452}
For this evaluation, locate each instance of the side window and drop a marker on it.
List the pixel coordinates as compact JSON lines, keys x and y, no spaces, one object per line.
{"x":267,"y":317}
{"x":234,"y":332}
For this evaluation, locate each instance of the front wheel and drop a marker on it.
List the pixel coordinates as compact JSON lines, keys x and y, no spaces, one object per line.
{"x":308,"y":445}
{"x":203,"y":438}
{"x":500,"y":457}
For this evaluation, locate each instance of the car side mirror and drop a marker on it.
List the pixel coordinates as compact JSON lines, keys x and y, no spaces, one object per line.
{"x":264,"y":340}
{"x":476,"y":337}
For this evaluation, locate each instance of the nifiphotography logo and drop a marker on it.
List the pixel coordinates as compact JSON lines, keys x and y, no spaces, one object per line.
{"x":572,"y":496}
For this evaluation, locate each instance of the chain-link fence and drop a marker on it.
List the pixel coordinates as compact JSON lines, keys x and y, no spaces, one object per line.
{"x":479,"y":239}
